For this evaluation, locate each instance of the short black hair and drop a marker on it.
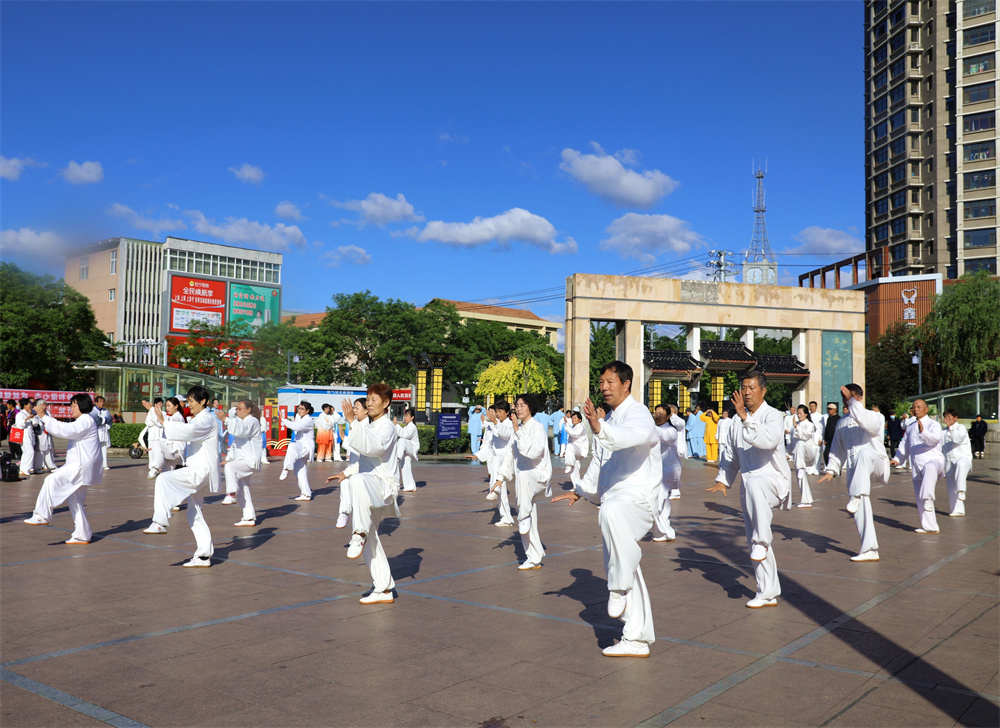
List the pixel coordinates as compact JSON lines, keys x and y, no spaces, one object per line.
{"x":84,"y":402}
{"x":362,"y":400}
{"x":952,"y":411}
{"x":327,"y":405}
{"x":662,"y":407}
{"x":856,"y":389}
{"x":623,"y":370}
{"x":503,"y":406}
{"x":307,"y":405}
{"x":199,"y":394}
{"x":411,"y":411}
{"x":530,"y":400}
{"x":158,"y":400}
{"x":757,"y":374}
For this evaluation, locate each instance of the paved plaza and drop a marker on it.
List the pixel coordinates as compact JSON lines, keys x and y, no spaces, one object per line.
{"x":119,"y":633}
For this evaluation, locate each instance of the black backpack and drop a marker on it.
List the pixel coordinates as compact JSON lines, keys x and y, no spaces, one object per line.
{"x":8,"y":470}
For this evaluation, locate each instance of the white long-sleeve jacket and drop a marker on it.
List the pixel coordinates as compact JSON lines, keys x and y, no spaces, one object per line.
{"x":202,"y":437}
{"x":531,"y":453}
{"x":626,"y":457}
{"x":83,"y":464}
{"x":577,"y":435}
{"x":922,"y":448}
{"x":375,"y":443}
{"x":670,"y":463}
{"x":409,"y":440}
{"x":756,"y":448}
{"x":861,"y":429}
{"x":246,"y":440}
{"x":956,"y":445}
{"x":678,"y":422}
{"x":303,"y":427}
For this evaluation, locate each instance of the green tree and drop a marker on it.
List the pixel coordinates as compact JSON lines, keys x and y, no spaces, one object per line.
{"x":45,"y":325}
{"x":508,"y":378}
{"x":602,"y":351}
{"x":890,"y":376}
{"x":212,"y":350}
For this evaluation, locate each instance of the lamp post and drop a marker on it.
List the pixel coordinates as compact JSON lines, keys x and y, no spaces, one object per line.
{"x":918,"y":359}
{"x":437,"y":363}
{"x":290,"y":357}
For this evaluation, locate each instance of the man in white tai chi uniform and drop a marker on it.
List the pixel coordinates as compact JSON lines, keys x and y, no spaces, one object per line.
{"x":958,"y":461}
{"x":858,"y":449}
{"x":623,"y":477}
{"x":82,"y":468}
{"x":756,"y":452}
{"x":922,"y":445}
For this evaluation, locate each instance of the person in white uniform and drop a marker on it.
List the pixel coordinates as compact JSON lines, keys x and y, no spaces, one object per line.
{"x":957,"y":451}
{"x":485,"y":452}
{"x":679,"y":424}
{"x":789,"y":423}
{"x":265,"y":428}
{"x":25,"y":420}
{"x":816,"y":417}
{"x":201,"y":469}
{"x":165,"y":454}
{"x":103,"y":429}
{"x":324,"y":434}
{"x":360,"y":411}
{"x":804,"y":450}
{"x":243,"y":458}
{"x":44,"y":454}
{"x":300,"y":452}
{"x":756,"y":453}
{"x":374,"y":488}
{"x":624,"y":474}
{"x":502,"y":444}
{"x":81,"y":469}
{"x":577,"y":446}
{"x":670,"y":465}
{"x":722,"y":433}
{"x":409,"y":446}
{"x":532,"y":474}
{"x":922,"y":445}
{"x":153,"y":431}
{"x":858,"y":449}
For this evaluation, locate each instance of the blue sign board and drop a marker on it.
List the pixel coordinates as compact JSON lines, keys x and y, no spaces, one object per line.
{"x":449,"y":427}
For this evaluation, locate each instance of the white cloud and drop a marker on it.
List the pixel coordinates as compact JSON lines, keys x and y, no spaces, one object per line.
{"x":11,"y":168}
{"x":446,"y":137}
{"x":347,"y":254}
{"x":30,"y":243}
{"x":288,"y":211}
{"x":377,"y":209}
{"x":606,"y":176}
{"x":83,"y":174}
{"x":515,"y":224}
{"x":248,"y":232}
{"x":643,"y":237}
{"x":149,"y":224}
{"x":827,"y":241}
{"x":248,"y":173}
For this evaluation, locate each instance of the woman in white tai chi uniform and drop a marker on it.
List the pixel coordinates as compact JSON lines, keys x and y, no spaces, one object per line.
{"x":300,"y":452}
{"x":164,"y":454}
{"x":922,"y":445}
{"x":756,"y":453}
{"x":360,"y":411}
{"x":501,"y":443}
{"x":409,"y":446}
{"x":26,"y":421}
{"x":957,"y":451}
{"x":858,"y":449}
{"x":243,"y":458}
{"x":82,"y":468}
{"x":803,"y":449}
{"x":577,"y":447}
{"x":532,"y":473}
{"x":622,"y":478}
{"x":374,"y":487}
{"x":670,"y":468}
{"x":103,"y":417}
{"x":44,"y":455}
{"x":201,"y":469}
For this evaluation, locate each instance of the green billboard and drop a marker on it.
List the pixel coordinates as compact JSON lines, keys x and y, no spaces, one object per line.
{"x":254,"y":305}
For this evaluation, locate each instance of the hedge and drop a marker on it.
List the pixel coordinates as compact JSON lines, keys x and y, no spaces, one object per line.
{"x":124,"y":434}
{"x":426,"y":435}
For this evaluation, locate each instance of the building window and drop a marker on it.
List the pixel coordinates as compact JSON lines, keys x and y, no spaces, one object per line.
{"x":84,"y":267}
{"x":898,"y":252}
{"x":897,"y":94}
{"x":879,"y":131}
{"x":898,"y":199}
{"x":879,"y":30}
{"x":981,"y":238}
{"x":898,"y":41}
{"x":882,"y":206}
{"x":979,"y":92}
{"x":980,"y":208}
{"x":977,"y":264}
{"x":979,"y":122}
{"x":952,"y":272}
{"x":114,"y":262}
{"x":899,"y":172}
{"x":897,"y":15}
{"x":914,"y":169}
{"x":881,"y":232}
{"x":980,"y":180}
{"x":897,"y":120}
{"x":974,"y":8}
{"x":915,"y":224}
{"x":880,"y":79}
{"x":898,"y":67}
{"x":880,"y":54}
{"x":980,"y":35}
{"x":899,"y":226}
{"x":880,"y":180}
{"x":979,"y":151}
{"x":978,"y":64}
{"x":914,"y":88}
{"x":877,"y":7}
{"x":111,"y":294}
{"x":898,"y":147}
{"x":881,"y":156}
{"x":880,"y":105}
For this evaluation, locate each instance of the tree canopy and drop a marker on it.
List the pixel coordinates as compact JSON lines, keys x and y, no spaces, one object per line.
{"x":45,"y":326}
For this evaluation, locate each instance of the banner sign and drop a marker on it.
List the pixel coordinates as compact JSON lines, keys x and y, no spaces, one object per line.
{"x":196,"y":299}
{"x":254,"y":305}
{"x":449,"y":426}
{"x":402,"y":395}
{"x":58,"y":400}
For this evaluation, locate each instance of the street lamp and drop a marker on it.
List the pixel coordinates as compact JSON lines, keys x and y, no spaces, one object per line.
{"x":918,"y":359}
{"x":290,"y":357}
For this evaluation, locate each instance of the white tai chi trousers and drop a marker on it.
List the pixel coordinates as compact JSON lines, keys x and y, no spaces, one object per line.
{"x":503,"y":503}
{"x":172,"y":489}
{"x":528,"y":489}
{"x":55,"y":491}
{"x":623,"y":522}
{"x":373,"y":500}
{"x":27,"y":454}
{"x":661,"y":518}
{"x":104,"y":455}
{"x":868,"y":467}
{"x":955,"y":474}
{"x":296,"y":459}
{"x":165,"y":454}
{"x":758,"y":495}
{"x":238,"y":474}
{"x":924,"y":482}
{"x":346,"y":497}
{"x":406,"y":474}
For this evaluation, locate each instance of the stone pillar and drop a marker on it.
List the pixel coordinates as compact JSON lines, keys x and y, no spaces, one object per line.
{"x":747,"y":338}
{"x":858,"y":355}
{"x":635,"y":350}
{"x":694,"y":342}
{"x":578,"y":363}
{"x":810,"y":353}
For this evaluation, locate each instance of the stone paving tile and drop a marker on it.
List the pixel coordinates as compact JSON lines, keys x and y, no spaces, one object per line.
{"x":913,"y":706}
{"x":23,"y":709}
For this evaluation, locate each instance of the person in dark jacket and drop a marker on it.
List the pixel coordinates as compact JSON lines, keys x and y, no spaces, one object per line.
{"x":830,"y":428}
{"x":896,"y":432}
{"x":977,"y":436}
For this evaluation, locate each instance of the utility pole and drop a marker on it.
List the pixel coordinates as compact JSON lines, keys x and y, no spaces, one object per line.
{"x":718,"y":263}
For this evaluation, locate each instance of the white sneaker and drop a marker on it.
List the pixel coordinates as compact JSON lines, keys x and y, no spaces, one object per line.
{"x":153,"y":472}
{"x":343,"y":519}
{"x":504,"y":524}
{"x":528,"y":566}
{"x":229,"y":500}
{"x":662,"y":539}
{"x":356,"y":546}
{"x":303,"y":497}
{"x":758,"y":552}
{"x":155,"y":527}
{"x":107,"y":468}
{"x":76,"y":542}
{"x":198,"y":561}
{"x":524,"y":525}
{"x":246,"y":523}
{"x":627,"y":648}
{"x":758,"y":602}
{"x":866,"y":556}
{"x":675,"y":494}
{"x":854,"y":504}
{"x":284,"y":474}
{"x":36,"y":521}
{"x":378,"y":598}
{"x":569,"y":469}
{"x":617,"y":601}
{"x":492,"y":496}
{"x":804,"y":505}
{"x":924,"y":530}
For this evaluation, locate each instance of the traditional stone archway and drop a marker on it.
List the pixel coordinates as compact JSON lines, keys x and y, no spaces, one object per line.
{"x":827,"y":325}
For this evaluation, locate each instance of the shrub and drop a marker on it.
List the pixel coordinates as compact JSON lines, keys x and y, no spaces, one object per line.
{"x":124,"y":434}
{"x":426,"y":435}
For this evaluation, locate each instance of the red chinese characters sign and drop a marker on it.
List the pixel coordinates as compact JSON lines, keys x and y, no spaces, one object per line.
{"x":196,"y":299}
{"x":58,"y":401}
{"x":402,"y":395}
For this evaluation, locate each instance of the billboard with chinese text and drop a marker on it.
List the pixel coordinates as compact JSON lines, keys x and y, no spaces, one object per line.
{"x":196,"y":299}
{"x":254,"y":305}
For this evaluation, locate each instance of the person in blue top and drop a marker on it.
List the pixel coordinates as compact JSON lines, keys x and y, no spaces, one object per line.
{"x":558,"y":421}
{"x":476,"y":413}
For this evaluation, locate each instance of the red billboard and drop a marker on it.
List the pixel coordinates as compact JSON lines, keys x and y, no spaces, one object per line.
{"x":58,"y":400}
{"x":196,"y":299}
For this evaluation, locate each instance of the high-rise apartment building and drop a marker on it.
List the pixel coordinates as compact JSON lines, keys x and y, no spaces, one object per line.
{"x":930,"y":147}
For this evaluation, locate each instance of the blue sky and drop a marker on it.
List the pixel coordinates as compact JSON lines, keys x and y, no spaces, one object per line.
{"x":467,"y":151}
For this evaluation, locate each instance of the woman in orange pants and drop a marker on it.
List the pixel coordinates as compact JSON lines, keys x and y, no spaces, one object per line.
{"x":324,"y":434}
